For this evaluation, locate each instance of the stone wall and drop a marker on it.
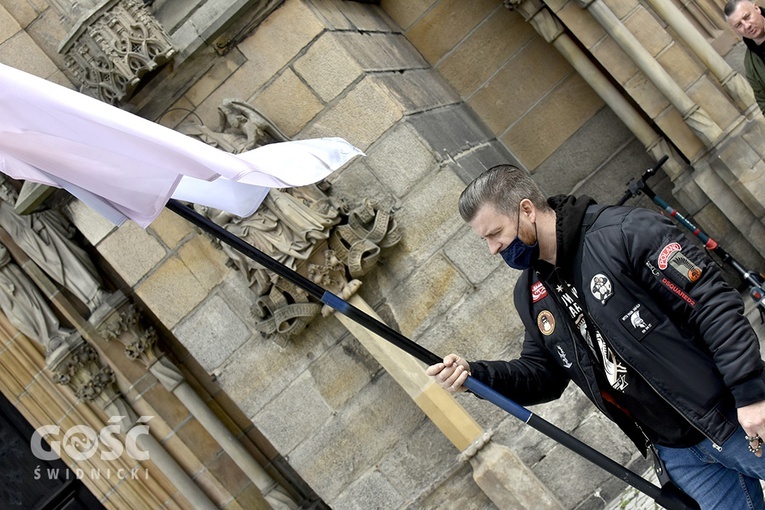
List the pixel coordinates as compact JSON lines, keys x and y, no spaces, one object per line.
{"x":433,"y":92}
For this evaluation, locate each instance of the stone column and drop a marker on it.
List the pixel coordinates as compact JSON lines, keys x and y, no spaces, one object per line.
{"x":121,"y":412}
{"x":693,"y":115}
{"x":120,"y":322}
{"x":497,"y":470}
{"x":551,"y":29}
{"x":733,"y":83}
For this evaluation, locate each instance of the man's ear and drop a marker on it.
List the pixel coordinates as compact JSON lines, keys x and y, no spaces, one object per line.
{"x":528,"y":209}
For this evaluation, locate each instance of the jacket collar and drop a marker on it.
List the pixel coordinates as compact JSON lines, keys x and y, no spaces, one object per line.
{"x":569,"y":213}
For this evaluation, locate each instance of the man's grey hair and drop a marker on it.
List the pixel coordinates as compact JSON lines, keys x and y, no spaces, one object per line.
{"x":731,"y":5}
{"x":503,"y":187}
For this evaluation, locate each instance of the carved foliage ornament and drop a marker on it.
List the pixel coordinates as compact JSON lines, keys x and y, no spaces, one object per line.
{"x":113,"y":48}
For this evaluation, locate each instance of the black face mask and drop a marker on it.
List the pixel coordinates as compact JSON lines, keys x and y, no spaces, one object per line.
{"x":518,"y":254}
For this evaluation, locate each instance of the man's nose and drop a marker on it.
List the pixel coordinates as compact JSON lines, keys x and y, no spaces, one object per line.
{"x":494,"y":247}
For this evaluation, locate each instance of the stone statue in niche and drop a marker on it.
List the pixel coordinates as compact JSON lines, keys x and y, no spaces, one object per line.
{"x":46,"y":237}
{"x":321,"y":236}
{"x":25,"y":307}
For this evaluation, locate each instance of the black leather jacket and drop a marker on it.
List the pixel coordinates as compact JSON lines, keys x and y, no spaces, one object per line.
{"x":689,"y":339}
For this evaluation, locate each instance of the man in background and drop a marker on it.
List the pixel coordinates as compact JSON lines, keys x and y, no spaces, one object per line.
{"x":746,"y":19}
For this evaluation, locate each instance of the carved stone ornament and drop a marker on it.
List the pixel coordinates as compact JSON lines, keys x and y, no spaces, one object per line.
{"x":123,"y":323}
{"x":319,"y":235}
{"x":76,"y":364}
{"x":113,"y":47}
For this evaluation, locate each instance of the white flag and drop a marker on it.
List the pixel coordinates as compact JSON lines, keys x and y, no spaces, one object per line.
{"x":125,"y":166}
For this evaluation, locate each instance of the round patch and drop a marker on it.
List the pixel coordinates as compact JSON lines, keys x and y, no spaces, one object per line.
{"x":546,"y":322}
{"x":601,"y":288}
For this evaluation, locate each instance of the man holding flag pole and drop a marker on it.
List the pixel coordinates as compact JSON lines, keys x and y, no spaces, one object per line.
{"x":126,"y":167}
{"x":619,"y":302}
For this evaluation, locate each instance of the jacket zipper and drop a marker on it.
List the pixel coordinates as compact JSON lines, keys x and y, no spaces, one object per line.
{"x":573,"y":335}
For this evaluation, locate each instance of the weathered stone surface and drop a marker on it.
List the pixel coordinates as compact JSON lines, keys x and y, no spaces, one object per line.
{"x":371,"y":490}
{"x":499,"y":107}
{"x":212,"y":333}
{"x":8,"y":25}
{"x":294,"y":415}
{"x":451,"y":130}
{"x":614,"y":60}
{"x":288,"y":103}
{"x":365,"y":421}
{"x":171,"y":229}
{"x":706,"y":94}
{"x":609,"y":181}
{"x":357,"y":182}
{"x":485,"y":50}
{"x":427,"y":294}
{"x":293,"y":25}
{"x":580,"y":156}
{"x":261,"y":369}
{"x":581,"y":23}
{"x":574,"y":96}
{"x":647,"y":30}
{"x":445,"y":24}
{"x":22,"y":13}
{"x":455,"y":490}
{"x":484,"y":325}
{"x":205,"y":262}
{"x":676,"y":61}
{"x":171,"y":291}
{"x":343,"y":15}
{"x":242,"y":84}
{"x":350,"y":359}
{"x":420,"y":451}
{"x":405,"y":13}
{"x":21,"y":52}
{"x":369,"y":100}
{"x":473,"y":162}
{"x":381,"y":51}
{"x":418,"y":90}
{"x":671,"y":122}
{"x":132,"y":252}
{"x":220,"y":71}
{"x":400,"y":159}
{"x":470,"y":254}
{"x":92,"y":225}
{"x":571,"y":477}
{"x":327,"y":67}
{"x":427,"y":216}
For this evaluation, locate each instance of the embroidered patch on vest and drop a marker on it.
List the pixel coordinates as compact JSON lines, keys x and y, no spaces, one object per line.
{"x":601,"y":288}
{"x":546,"y":322}
{"x":684,"y":266}
{"x":638,"y":321}
{"x":538,"y":291}
{"x":666,"y":252}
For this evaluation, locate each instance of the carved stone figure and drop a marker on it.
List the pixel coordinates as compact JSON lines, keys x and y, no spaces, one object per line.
{"x":242,"y":128}
{"x":25,"y":306}
{"x":46,"y":238}
{"x":284,"y":227}
{"x":294,"y":226}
